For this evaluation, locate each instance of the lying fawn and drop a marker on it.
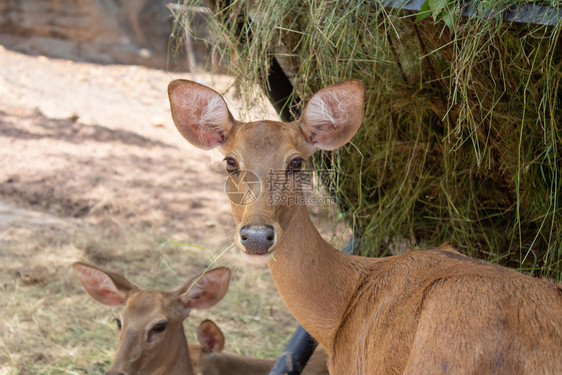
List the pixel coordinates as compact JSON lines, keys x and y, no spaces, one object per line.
{"x":151,"y":336}
{"x":208,"y":357}
{"x":422,"y":312}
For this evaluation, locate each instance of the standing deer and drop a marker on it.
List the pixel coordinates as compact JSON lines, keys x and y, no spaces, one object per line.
{"x":422,"y":312}
{"x":151,"y":336}
{"x":208,"y":357}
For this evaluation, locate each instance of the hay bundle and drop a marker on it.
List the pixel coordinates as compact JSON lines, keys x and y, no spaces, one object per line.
{"x":462,"y":139}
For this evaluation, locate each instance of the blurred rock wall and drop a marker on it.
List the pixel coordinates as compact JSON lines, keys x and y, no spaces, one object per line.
{"x":101,"y":31}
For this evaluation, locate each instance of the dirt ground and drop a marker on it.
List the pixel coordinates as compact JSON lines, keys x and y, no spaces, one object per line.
{"x":93,"y":169}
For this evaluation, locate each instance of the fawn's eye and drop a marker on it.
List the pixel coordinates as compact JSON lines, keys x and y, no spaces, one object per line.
{"x":296,"y":164}
{"x":118,"y":323}
{"x":231,"y":165}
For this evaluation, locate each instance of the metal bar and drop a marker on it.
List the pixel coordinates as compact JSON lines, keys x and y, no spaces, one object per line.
{"x":295,"y":355}
{"x":522,"y":13}
{"x":353,"y":245}
{"x":535,"y":14}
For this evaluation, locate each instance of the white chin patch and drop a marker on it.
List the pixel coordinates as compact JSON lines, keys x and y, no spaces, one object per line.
{"x":255,"y":259}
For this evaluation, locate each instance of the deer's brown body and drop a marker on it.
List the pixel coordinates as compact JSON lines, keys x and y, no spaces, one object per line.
{"x":440,"y":312}
{"x":227,"y":363}
{"x":430,"y":312}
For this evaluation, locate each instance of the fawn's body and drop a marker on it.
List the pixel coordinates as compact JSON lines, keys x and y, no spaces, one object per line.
{"x":430,"y":312}
{"x":209,"y":358}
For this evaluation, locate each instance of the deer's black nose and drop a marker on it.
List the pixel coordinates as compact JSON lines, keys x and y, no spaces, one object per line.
{"x":257,"y":239}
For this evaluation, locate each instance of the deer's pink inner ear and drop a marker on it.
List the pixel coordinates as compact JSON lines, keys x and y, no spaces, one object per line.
{"x":333,"y":115}
{"x":100,"y":286}
{"x":200,"y":114}
{"x":206,"y":290}
{"x":210,"y":337}
{"x":111,"y":298}
{"x":209,"y":343}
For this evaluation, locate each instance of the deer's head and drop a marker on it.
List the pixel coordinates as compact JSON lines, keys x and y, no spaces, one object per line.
{"x":150,"y":322}
{"x":264,"y":159}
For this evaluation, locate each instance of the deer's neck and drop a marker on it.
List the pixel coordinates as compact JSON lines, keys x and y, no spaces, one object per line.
{"x":315,"y":280}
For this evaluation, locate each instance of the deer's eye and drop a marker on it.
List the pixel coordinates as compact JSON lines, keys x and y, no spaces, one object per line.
{"x":159,"y":327}
{"x":118,"y":323}
{"x":231,"y":165}
{"x":296,"y":164}
{"x":156,"y":329}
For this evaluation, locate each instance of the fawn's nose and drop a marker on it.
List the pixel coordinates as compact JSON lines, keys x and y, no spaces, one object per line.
{"x":257,"y":239}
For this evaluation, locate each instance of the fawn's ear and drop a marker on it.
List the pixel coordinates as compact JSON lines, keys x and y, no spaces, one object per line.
{"x":206,"y":290}
{"x":210,"y":337}
{"x":200,"y":113}
{"x":333,"y":115}
{"x":105,"y":287}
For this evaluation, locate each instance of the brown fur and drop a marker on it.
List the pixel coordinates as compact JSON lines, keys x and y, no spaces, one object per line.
{"x":430,"y":312}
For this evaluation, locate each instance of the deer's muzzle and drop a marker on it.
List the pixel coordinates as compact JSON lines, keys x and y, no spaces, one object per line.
{"x":257,"y":239}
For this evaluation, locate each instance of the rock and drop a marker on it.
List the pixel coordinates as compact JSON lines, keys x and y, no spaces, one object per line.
{"x":100,"y":31}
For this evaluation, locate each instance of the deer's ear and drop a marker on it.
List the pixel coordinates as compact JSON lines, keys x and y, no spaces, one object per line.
{"x":333,"y":115}
{"x":105,"y":287}
{"x":210,"y":337}
{"x":206,"y":290}
{"x":200,"y":113}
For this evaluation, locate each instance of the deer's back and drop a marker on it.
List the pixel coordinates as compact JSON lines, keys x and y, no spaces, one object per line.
{"x":440,"y":312}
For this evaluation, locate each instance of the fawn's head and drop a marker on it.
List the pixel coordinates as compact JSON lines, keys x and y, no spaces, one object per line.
{"x":211,"y":342}
{"x":150,"y":322}
{"x":264,"y":158}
